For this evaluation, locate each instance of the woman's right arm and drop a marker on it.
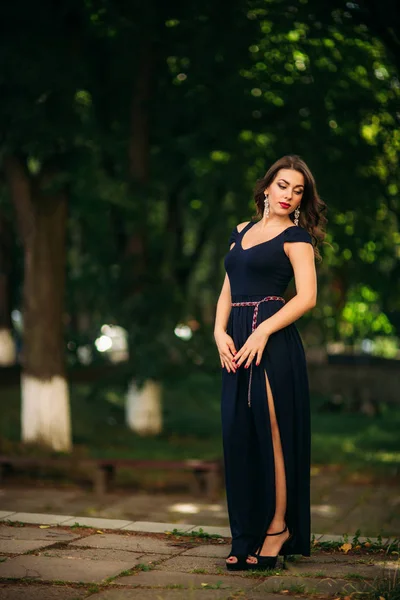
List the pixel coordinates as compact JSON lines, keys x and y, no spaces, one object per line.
{"x":225,"y":343}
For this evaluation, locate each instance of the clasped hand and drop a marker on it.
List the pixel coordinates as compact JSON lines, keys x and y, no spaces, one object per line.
{"x":252,"y":348}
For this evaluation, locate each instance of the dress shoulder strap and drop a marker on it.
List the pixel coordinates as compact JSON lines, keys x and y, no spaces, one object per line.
{"x":246,"y":227}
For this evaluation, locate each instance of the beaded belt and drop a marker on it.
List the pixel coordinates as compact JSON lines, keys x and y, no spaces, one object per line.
{"x":256,"y":304}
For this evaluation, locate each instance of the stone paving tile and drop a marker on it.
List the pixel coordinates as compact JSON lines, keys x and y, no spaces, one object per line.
{"x":148,"y":526}
{"x":336,"y":570}
{"x":171,"y":594}
{"x":39,"y":592}
{"x":35,"y":533}
{"x":18,"y":540}
{"x":38,"y":519}
{"x":331,"y":538}
{"x":97,"y":523}
{"x":255,"y":595}
{"x":186,"y":564}
{"x":134,"y":543}
{"x":325,"y":558}
{"x":60,"y":569}
{"x":21,"y":546}
{"x":6,"y":513}
{"x":208,"y":550}
{"x":186,"y":580}
{"x":320,"y":558}
{"x":310,"y":584}
{"x":134,"y":558}
{"x":224,"y":531}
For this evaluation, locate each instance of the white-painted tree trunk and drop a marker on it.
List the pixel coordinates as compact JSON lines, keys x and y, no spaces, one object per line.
{"x":144,"y":408}
{"x":45,"y":416}
{"x":7,"y":348}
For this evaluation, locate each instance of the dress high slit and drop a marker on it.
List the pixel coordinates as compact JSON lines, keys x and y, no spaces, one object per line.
{"x":261,"y":271}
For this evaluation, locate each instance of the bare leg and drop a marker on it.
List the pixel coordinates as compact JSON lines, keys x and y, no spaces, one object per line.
{"x":273,"y":544}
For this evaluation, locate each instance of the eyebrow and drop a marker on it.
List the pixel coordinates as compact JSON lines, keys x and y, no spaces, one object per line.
{"x":287,"y":183}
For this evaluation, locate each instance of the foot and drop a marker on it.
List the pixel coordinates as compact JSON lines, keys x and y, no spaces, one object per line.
{"x":272,"y":543}
{"x":232,"y":560}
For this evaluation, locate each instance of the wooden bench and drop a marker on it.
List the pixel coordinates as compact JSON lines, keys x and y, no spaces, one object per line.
{"x":206,"y":482}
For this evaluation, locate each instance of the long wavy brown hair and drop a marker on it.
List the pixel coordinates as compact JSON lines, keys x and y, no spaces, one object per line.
{"x":312,"y":208}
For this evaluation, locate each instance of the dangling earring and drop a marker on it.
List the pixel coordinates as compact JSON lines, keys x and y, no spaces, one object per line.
{"x":297,"y":215}
{"x":266,"y":207}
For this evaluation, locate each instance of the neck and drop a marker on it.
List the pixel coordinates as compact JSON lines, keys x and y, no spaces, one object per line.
{"x":275,"y":222}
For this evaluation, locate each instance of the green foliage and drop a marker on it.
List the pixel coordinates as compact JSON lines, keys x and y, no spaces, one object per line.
{"x":229,"y":93}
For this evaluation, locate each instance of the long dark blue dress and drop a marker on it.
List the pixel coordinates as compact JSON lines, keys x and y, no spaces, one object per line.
{"x":254,"y":273}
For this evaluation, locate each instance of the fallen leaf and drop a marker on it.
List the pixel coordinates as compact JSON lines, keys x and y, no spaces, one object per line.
{"x":284,"y":591}
{"x":44,"y":526}
{"x":346,"y":547}
{"x":204,"y":584}
{"x":98,"y":531}
{"x":358,"y":547}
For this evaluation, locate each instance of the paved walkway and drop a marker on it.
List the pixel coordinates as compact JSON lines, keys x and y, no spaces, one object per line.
{"x":66,"y":557}
{"x":339,"y":503}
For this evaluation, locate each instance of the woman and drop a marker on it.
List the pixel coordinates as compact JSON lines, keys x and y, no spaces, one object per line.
{"x":265,"y":405}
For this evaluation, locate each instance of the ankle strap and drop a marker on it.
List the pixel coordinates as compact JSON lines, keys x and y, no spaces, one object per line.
{"x":278,"y":532}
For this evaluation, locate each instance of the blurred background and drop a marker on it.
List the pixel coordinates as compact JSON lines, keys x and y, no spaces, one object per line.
{"x":131,"y":137}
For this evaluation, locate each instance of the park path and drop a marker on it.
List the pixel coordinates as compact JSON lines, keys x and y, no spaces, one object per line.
{"x":339,"y":504}
{"x":66,"y":557}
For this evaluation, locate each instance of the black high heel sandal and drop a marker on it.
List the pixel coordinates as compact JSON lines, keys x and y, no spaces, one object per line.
{"x":240,"y":565}
{"x":269,"y":562}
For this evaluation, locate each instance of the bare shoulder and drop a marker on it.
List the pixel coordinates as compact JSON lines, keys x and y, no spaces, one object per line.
{"x":242,"y":226}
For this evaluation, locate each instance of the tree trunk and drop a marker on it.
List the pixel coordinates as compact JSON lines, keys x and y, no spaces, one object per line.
{"x":144,"y":408}
{"x":42,"y":221}
{"x":143,"y":405}
{"x":7,"y":344}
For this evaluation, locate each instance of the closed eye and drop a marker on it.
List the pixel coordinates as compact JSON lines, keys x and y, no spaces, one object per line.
{"x":283,"y":187}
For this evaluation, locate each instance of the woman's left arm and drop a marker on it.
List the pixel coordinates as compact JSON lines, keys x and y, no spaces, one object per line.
{"x":301,"y":256}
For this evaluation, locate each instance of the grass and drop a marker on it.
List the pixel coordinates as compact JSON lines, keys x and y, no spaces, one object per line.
{"x":144,"y":567}
{"x":389,"y":548}
{"x":192,"y":427}
{"x":199,"y":534}
{"x":199,"y":571}
{"x":354,"y":576}
{"x":385,"y":586}
{"x":213,"y":586}
{"x":259,"y":573}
